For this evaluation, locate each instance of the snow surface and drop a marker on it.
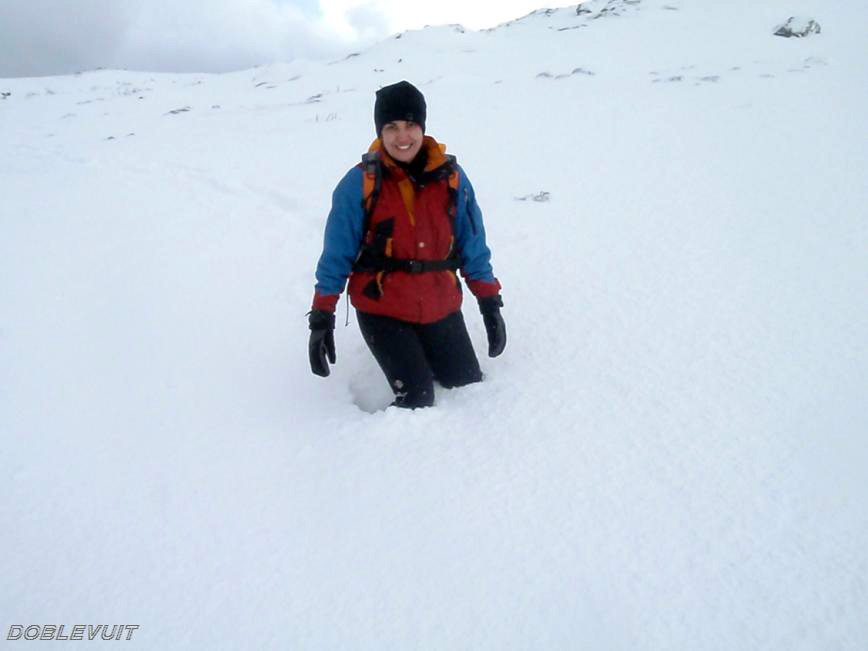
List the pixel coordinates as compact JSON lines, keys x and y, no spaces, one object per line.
{"x":670,"y":454}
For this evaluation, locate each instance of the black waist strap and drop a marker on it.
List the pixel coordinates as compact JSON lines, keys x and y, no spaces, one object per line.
{"x":376,"y":264}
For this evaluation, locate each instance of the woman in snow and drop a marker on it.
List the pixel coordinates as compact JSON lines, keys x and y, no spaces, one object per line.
{"x":402,"y":222}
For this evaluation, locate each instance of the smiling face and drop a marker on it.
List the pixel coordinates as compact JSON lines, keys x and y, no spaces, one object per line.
{"x":402,"y":140}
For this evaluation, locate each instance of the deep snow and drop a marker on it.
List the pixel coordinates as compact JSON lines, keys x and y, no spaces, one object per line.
{"x":670,"y":454}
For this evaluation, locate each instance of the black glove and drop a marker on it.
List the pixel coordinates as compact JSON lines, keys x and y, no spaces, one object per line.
{"x":495,"y":328}
{"x":322,"y":341}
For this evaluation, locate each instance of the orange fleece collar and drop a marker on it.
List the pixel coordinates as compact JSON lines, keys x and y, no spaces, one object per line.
{"x":436,"y":153}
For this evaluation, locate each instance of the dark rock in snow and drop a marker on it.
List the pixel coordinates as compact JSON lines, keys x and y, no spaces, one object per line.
{"x":540,"y":197}
{"x":798,"y":27}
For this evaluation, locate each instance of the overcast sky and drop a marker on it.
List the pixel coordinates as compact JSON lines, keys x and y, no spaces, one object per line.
{"x":46,"y":37}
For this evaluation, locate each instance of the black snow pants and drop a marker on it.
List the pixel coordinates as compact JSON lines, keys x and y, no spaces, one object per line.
{"x":413,"y":355}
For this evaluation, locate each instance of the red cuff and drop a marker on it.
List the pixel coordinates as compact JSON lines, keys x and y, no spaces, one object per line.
{"x":483,"y":288}
{"x":325,"y":303}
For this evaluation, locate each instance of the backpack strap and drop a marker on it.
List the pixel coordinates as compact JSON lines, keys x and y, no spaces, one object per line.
{"x":372,"y":181}
{"x":452,"y":180}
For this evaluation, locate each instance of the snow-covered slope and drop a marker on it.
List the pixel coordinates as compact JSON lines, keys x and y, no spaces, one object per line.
{"x":670,"y":454}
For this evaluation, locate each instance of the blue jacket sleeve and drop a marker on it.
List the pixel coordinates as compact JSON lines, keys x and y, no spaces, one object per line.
{"x":470,"y":234}
{"x":343,"y":235}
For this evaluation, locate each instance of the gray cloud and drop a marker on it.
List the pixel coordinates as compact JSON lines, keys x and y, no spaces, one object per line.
{"x":45,"y":37}
{"x":42,"y":37}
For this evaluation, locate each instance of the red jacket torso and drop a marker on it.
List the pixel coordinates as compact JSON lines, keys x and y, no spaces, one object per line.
{"x":421,"y":230}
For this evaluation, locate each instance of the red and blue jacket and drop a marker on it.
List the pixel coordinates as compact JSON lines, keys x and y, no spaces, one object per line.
{"x":412,"y":219}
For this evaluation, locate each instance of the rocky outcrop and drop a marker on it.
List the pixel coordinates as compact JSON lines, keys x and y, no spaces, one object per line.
{"x":798,"y":27}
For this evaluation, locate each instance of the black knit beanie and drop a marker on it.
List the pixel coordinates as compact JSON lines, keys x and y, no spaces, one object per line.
{"x":401,"y":101}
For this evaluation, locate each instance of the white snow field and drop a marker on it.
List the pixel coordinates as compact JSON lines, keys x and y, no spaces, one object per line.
{"x":671,"y":453}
